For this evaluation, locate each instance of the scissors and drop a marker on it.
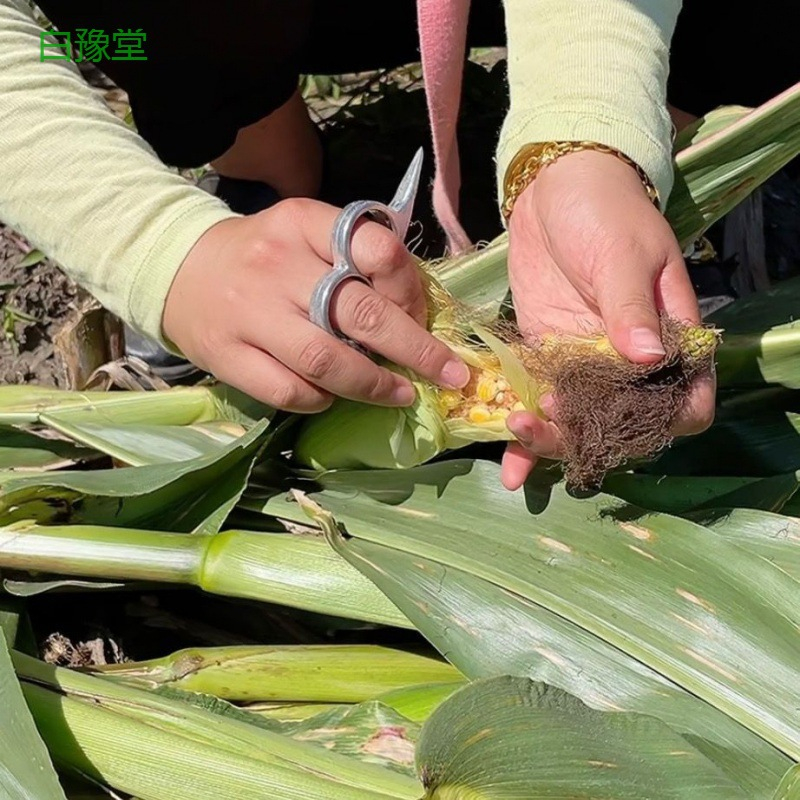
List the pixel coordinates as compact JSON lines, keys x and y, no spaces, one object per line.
{"x":396,"y":216}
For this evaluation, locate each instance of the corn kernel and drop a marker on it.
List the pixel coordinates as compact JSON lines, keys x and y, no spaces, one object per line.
{"x":486,"y":388}
{"x":479,"y":414}
{"x":500,"y":397}
{"x":449,"y":399}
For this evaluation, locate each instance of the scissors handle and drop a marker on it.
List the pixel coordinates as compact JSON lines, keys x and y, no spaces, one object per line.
{"x":396,"y":216}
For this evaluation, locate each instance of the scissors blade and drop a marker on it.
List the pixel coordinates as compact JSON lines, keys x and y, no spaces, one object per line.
{"x":403,"y":201}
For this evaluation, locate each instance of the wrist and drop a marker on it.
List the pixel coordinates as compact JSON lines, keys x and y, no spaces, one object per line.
{"x":534,"y":159}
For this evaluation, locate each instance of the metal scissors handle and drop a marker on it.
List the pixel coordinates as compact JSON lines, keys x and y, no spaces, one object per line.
{"x":396,"y":216}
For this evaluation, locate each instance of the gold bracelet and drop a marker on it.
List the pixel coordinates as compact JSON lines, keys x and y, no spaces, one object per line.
{"x":533,"y":158}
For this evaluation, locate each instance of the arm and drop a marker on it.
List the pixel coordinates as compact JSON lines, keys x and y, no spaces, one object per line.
{"x":591,"y":70}
{"x":587,"y":248}
{"x":84,"y":187}
{"x":231,"y":291}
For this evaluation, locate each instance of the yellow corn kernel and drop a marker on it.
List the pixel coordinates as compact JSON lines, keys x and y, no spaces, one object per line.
{"x":486,"y":388}
{"x":450,"y":399}
{"x":479,"y":415}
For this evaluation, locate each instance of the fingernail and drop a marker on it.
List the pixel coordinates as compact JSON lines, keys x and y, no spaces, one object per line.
{"x":647,"y":342}
{"x":522,"y":430}
{"x":455,"y":374}
{"x":403,"y":394}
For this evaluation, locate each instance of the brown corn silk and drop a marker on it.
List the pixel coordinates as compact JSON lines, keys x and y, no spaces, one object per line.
{"x":608,"y":410}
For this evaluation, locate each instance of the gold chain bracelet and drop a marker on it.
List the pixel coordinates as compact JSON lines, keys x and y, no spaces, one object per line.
{"x":533,"y":158}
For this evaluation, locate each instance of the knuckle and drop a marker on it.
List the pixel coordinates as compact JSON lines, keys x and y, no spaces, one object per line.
{"x":369,"y":313}
{"x":430,"y":355}
{"x":289,"y":211}
{"x":316,"y":359}
{"x":261,"y":250}
{"x":284,"y":396}
{"x":386,"y":252}
{"x":296,"y":396}
{"x":380,"y":386}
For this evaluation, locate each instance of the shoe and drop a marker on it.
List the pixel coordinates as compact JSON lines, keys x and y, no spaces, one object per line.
{"x":243,"y":197}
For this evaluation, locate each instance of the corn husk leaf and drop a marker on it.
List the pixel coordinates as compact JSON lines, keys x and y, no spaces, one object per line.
{"x":761,"y":341}
{"x":417,"y":703}
{"x":294,"y":673}
{"x":610,"y":605}
{"x":790,"y":785}
{"x":140,"y":445}
{"x":190,"y":496}
{"x":23,"y":450}
{"x":370,"y":731}
{"x":679,"y":494}
{"x":183,"y":751}
{"x":725,"y":162}
{"x":26,"y":772}
{"x":25,"y":404}
{"x":774,"y":537}
{"x":562,"y":748}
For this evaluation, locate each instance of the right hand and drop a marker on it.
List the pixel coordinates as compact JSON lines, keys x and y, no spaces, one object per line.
{"x":238,"y":308}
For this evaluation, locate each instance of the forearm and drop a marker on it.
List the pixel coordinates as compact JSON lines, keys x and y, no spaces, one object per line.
{"x":591,"y":70}
{"x":85,"y":188}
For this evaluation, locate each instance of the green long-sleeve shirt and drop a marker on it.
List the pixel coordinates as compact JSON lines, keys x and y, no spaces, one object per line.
{"x":90,"y":193}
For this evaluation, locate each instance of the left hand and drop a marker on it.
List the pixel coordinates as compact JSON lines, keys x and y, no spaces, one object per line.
{"x":590,"y":252}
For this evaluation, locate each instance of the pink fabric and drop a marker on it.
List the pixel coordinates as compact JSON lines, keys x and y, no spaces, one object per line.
{"x":443,"y":42}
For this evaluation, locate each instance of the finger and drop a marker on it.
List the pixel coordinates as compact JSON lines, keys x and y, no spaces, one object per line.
{"x":377,"y":253}
{"x":698,"y":413}
{"x":326,"y":362}
{"x":675,"y":293}
{"x":535,"y":434}
{"x":516,"y":465}
{"x":262,"y":377}
{"x":625,"y":291}
{"x":370,"y":318}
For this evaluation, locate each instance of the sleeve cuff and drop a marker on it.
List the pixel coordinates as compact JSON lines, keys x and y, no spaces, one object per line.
{"x":590,"y":124}
{"x":151,"y":284}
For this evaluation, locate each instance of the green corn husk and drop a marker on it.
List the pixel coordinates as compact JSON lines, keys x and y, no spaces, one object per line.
{"x":293,"y":712}
{"x":353,"y":435}
{"x":416,"y":703}
{"x":293,"y":570}
{"x":294,"y":673}
{"x":185,"y":405}
{"x":172,"y":750}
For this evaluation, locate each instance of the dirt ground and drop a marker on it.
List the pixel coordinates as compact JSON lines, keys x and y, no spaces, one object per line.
{"x":35,"y":300}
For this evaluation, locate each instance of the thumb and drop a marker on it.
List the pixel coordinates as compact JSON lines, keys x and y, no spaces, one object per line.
{"x":625,"y":296}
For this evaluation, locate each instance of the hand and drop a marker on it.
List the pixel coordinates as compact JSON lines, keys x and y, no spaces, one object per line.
{"x":238,"y":308}
{"x":588,"y":252}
